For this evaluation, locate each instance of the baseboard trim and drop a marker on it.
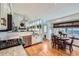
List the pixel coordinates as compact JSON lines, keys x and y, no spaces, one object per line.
{"x":32,"y":45}
{"x":36,"y":43}
{"x":75,"y":45}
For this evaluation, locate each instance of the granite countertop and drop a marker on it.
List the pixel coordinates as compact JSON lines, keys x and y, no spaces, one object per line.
{"x":13,"y":51}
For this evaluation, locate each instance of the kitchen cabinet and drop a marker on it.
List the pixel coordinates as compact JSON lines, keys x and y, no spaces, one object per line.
{"x":27,"y":40}
{"x":37,"y":39}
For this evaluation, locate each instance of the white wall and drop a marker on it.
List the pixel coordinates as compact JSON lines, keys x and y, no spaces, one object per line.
{"x":4,"y":10}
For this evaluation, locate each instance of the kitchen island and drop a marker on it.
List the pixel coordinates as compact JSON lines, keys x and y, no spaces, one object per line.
{"x":27,"y":39}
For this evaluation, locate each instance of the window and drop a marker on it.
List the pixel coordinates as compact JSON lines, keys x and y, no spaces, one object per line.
{"x":73,"y":31}
{"x":70,"y":31}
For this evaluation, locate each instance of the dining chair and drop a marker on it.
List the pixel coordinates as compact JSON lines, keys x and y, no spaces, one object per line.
{"x":53,"y":41}
{"x":56,"y":42}
{"x":64,"y":35}
{"x":70,"y":44}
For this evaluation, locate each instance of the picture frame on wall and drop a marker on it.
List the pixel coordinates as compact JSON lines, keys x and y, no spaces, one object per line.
{"x":3,"y":24}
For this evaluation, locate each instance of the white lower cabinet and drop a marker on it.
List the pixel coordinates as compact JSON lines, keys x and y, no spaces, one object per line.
{"x":37,"y":39}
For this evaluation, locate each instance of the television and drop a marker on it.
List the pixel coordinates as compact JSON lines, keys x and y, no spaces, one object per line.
{"x":6,"y":23}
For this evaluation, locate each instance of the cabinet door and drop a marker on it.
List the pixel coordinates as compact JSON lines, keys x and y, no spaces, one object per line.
{"x":27,"y":40}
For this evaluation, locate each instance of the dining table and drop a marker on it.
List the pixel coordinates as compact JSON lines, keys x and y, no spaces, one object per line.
{"x":63,"y":40}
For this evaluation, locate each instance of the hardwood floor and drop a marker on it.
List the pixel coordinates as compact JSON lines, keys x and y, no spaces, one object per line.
{"x":45,"y":49}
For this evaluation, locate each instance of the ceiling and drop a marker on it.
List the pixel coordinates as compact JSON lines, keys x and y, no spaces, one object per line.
{"x":45,"y":11}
